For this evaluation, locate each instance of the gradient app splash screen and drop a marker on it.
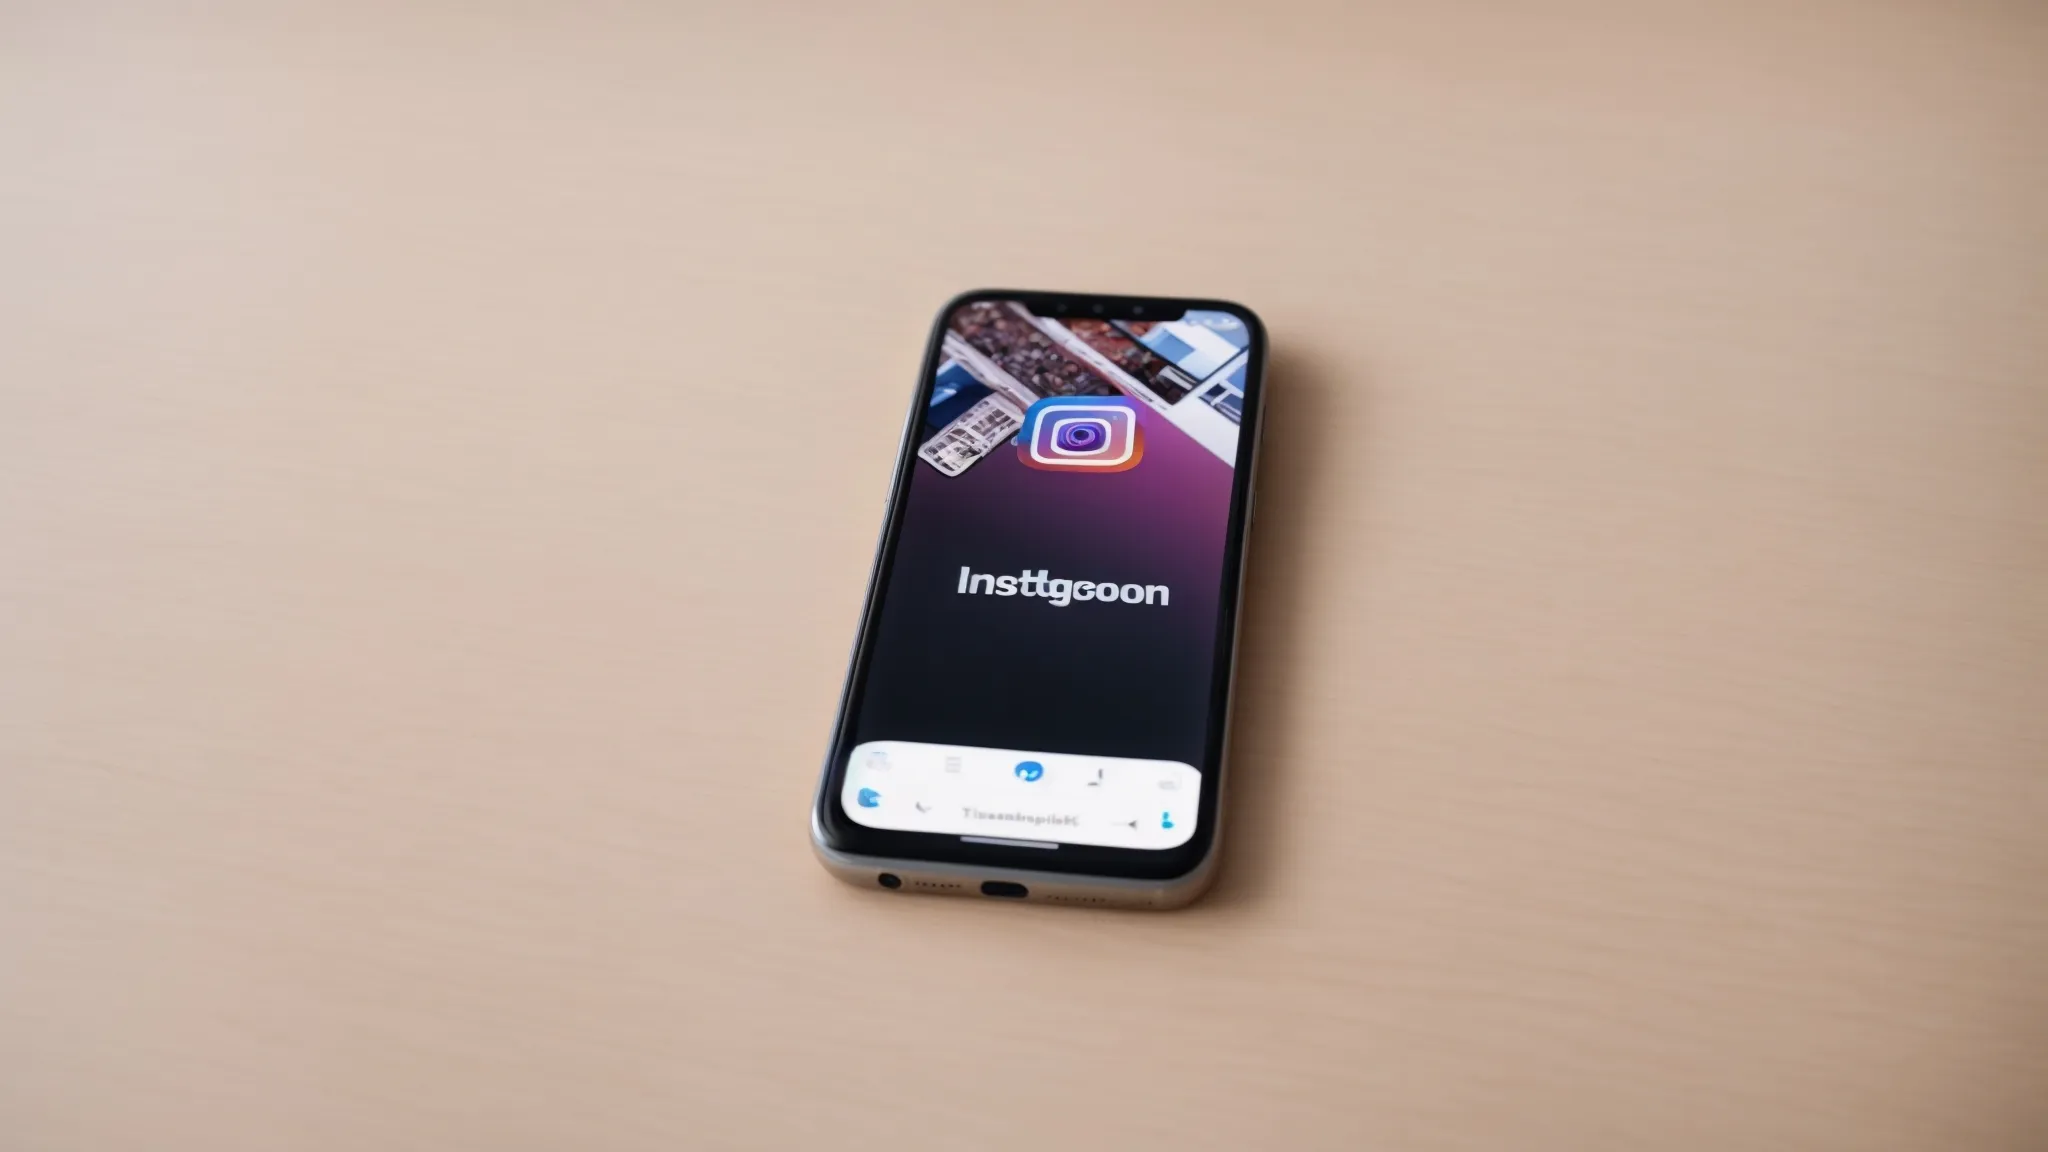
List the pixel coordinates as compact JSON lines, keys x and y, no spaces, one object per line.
{"x":1040,"y":668}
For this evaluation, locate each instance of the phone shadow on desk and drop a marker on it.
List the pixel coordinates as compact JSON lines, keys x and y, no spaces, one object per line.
{"x":1310,"y":409}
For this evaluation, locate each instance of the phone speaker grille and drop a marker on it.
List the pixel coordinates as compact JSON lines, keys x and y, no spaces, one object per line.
{"x":931,"y":884}
{"x":1078,"y":899}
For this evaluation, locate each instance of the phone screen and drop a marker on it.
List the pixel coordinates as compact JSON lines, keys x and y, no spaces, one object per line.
{"x":1043,"y":671}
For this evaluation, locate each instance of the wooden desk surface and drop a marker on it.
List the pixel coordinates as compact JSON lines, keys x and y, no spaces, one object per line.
{"x":440,"y":453}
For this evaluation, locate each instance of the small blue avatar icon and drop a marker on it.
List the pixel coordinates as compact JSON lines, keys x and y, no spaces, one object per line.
{"x":869,"y":798}
{"x":1166,"y":819}
{"x":1030,"y":770}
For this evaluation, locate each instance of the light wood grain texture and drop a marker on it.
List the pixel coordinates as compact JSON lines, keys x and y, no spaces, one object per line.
{"x":440,"y":454}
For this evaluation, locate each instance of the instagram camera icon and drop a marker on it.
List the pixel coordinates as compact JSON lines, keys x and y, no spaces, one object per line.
{"x":1082,"y":434}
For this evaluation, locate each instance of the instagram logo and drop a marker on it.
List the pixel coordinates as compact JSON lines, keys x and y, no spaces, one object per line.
{"x":1082,"y":434}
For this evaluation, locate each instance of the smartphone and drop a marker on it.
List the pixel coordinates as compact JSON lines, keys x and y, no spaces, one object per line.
{"x":1038,"y":705}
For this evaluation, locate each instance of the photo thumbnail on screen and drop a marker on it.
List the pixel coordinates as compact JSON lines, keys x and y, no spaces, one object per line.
{"x":998,"y":360}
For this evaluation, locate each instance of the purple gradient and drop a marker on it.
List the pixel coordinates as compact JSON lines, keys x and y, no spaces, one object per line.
{"x":1018,"y":672}
{"x":1166,"y":517}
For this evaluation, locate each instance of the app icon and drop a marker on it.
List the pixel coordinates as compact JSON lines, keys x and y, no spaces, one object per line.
{"x":1166,"y":819}
{"x":1030,"y":770}
{"x":869,"y":798}
{"x":1082,"y":434}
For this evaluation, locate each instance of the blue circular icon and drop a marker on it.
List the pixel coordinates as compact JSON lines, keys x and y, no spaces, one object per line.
{"x":869,"y":798}
{"x":1030,"y":770}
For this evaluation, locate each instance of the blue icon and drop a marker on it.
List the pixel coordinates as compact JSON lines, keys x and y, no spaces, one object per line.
{"x":869,"y":798}
{"x":1030,"y":770}
{"x":1166,"y":819}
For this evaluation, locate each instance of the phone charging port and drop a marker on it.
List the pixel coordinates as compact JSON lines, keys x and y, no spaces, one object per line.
{"x":1004,"y":888}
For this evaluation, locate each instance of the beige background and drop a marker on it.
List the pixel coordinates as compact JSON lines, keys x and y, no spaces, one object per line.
{"x":440,"y":452}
